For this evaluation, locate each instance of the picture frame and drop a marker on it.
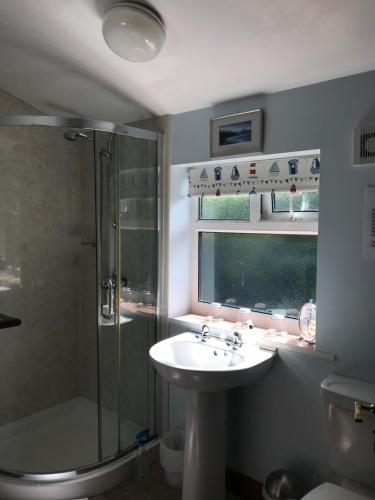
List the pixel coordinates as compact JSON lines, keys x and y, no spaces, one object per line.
{"x":237,"y":134}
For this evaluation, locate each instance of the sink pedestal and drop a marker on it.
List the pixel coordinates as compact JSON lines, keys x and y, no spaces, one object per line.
{"x":207,"y":367}
{"x":204,"y":458}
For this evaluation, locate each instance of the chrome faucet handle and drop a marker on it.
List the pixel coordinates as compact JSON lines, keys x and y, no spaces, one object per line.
{"x":205,"y":332}
{"x":237,"y":340}
{"x":204,"y":335}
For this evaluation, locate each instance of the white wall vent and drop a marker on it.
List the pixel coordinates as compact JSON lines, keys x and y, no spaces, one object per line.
{"x":364,"y":146}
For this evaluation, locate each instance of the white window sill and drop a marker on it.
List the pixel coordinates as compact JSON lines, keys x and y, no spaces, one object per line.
{"x":257,"y":336}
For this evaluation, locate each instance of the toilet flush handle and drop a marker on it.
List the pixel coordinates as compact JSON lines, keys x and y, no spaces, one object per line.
{"x":359,"y":407}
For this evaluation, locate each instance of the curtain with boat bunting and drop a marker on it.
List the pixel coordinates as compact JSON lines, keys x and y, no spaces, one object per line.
{"x":294,"y":174}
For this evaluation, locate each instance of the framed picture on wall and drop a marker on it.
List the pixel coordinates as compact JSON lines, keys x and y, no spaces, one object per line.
{"x":237,"y":134}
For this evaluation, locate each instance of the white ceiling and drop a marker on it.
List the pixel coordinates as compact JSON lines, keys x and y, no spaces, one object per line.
{"x":52,"y":53}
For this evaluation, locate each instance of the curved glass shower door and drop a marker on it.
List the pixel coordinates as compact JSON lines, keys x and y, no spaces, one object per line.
{"x":78,"y":267}
{"x":128,"y":249}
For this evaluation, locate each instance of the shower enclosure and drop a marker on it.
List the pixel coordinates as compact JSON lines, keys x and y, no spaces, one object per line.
{"x":79,"y":248}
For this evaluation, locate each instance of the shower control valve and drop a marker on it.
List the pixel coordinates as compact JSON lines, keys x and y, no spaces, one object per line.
{"x":107,"y":306}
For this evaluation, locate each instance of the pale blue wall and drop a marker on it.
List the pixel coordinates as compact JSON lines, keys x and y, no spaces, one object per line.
{"x":318,"y":116}
{"x":279,"y":422}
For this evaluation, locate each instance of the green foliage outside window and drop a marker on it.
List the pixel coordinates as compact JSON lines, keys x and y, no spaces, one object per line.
{"x":225,"y":207}
{"x":307,"y":201}
{"x":247,"y":269}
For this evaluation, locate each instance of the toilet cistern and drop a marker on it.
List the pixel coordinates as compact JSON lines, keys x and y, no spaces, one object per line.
{"x":353,"y":464}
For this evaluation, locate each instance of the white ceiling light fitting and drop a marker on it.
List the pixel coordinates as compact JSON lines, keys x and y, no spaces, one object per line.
{"x":133,"y":31}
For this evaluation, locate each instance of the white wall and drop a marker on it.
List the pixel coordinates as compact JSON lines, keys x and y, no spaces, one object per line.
{"x":179,"y":243}
{"x":279,"y":421}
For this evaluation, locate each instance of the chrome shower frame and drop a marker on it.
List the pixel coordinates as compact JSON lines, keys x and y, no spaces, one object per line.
{"x":81,"y":123}
{"x":93,"y":479}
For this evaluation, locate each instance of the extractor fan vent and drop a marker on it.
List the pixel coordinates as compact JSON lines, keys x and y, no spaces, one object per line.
{"x":364,"y":146}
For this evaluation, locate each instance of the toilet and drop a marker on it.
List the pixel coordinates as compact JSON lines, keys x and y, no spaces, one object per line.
{"x":351,"y":444}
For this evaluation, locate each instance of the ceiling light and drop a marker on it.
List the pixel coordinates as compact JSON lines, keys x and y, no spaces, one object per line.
{"x":133,"y":31}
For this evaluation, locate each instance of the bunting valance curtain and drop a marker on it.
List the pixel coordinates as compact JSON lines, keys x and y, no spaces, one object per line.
{"x":294,"y":174}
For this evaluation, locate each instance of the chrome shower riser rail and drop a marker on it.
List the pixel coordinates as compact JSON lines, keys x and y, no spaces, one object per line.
{"x":74,"y":122}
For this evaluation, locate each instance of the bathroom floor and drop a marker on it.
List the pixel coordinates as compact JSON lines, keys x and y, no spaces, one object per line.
{"x":154,"y":488}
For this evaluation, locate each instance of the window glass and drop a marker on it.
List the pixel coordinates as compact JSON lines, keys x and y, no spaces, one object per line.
{"x":308,"y":201}
{"x":267,"y":272}
{"x":231,"y":207}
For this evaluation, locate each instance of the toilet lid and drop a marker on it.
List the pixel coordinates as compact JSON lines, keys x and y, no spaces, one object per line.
{"x":329,"y":491}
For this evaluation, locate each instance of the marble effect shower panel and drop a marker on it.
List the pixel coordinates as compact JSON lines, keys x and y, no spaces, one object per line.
{"x":40,"y":247}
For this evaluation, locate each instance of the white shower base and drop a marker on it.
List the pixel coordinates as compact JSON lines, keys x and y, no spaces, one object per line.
{"x":61,"y":438}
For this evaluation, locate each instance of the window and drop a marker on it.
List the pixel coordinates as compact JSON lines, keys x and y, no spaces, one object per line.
{"x":224,"y":207}
{"x":256,"y":251}
{"x":287,"y":206}
{"x":303,"y":202}
{"x":266,"y":272}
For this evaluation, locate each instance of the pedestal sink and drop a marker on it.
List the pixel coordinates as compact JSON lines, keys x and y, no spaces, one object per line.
{"x":207,"y":367}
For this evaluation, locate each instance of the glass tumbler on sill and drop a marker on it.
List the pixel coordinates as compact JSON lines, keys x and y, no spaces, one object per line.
{"x":243,"y":316}
{"x":216,"y":311}
{"x":128,"y":294}
{"x":278,"y":324}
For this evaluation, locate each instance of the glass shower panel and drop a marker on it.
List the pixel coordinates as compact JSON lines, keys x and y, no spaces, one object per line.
{"x":107,"y":188}
{"x":139,"y":254}
{"x":127,"y":189}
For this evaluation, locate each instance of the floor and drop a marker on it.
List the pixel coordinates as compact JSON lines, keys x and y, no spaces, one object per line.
{"x":30,"y":444}
{"x":154,"y":488}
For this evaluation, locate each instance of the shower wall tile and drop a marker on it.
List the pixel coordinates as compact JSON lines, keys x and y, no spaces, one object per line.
{"x":11,"y":105}
{"x":40,"y":254}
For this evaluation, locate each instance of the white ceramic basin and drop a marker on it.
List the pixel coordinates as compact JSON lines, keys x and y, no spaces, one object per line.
{"x":207,"y":369}
{"x":187,"y":362}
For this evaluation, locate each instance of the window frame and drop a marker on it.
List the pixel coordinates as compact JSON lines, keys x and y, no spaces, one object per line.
{"x":258,"y":223}
{"x":291,"y":215}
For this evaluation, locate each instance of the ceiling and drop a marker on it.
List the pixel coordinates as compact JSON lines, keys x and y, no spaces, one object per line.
{"x":53,"y":55}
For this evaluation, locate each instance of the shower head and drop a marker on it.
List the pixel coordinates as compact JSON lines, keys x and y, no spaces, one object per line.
{"x":72,"y":135}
